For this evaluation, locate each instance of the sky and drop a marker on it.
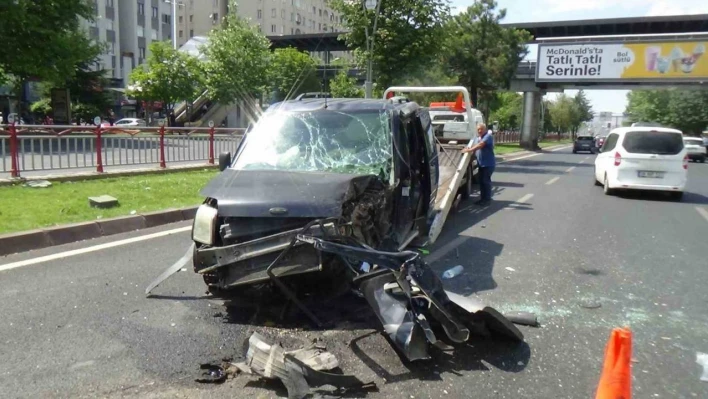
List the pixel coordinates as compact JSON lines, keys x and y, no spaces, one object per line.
{"x":564,"y":10}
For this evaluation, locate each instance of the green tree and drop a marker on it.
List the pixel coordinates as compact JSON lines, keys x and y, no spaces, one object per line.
{"x":86,"y":87}
{"x":431,"y":75}
{"x":292,"y":72}
{"x":408,"y":34}
{"x":343,"y":86}
{"x":168,"y":76}
{"x":43,"y":40}
{"x":562,"y":112}
{"x":237,"y":57}
{"x":509,"y":112}
{"x":480,"y":52}
{"x":686,"y":110}
{"x":582,"y":111}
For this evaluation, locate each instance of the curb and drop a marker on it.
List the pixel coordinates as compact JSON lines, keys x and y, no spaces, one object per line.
{"x":510,"y":156}
{"x":43,"y":238}
{"x":105,"y":175}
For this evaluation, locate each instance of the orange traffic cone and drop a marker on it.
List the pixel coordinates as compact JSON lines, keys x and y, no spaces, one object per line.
{"x":616,"y":377}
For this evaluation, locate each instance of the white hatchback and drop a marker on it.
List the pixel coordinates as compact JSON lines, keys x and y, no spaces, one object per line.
{"x":643,"y":158}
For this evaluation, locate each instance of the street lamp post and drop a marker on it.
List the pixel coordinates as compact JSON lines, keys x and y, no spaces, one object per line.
{"x":174,"y":22}
{"x":369,"y":5}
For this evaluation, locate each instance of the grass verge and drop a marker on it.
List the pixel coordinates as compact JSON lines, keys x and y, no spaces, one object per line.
{"x":501,"y":149}
{"x":25,"y":208}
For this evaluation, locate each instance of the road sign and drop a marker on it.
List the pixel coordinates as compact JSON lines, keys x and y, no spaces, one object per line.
{"x":97,"y":120}
{"x":11,"y":118}
{"x":211,"y":123}
{"x":161,"y":122}
{"x":656,"y":61}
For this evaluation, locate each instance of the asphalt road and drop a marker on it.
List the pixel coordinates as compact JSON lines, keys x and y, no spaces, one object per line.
{"x":551,"y":243}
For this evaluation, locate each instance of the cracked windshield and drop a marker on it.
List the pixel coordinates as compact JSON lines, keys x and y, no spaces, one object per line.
{"x":353,"y":199}
{"x":327,"y":141}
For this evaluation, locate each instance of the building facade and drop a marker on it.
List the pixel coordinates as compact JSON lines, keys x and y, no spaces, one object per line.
{"x":128,"y":27}
{"x":273,"y":17}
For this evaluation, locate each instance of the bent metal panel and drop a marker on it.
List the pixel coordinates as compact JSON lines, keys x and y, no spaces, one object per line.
{"x":668,"y":61}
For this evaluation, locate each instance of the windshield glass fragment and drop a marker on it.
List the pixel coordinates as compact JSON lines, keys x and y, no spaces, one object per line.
{"x":327,"y":141}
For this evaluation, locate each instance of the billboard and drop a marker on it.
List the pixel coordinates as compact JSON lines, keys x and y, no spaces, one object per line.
{"x":614,"y":61}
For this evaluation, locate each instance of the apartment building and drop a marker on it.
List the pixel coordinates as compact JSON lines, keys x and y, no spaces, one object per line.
{"x":273,"y":17}
{"x":128,"y":27}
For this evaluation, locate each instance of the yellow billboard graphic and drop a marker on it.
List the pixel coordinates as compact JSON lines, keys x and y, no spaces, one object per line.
{"x":616,"y":61}
{"x":667,"y":60}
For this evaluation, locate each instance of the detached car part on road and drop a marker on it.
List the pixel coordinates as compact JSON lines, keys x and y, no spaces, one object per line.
{"x":340,"y":187}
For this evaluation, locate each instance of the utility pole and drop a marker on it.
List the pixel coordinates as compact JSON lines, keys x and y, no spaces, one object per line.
{"x":174,"y":22}
{"x":369,"y":5}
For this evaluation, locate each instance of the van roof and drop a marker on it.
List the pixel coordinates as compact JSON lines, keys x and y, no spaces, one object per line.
{"x":621,"y":130}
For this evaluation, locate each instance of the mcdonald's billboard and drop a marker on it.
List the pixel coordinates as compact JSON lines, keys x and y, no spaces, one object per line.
{"x":668,"y":61}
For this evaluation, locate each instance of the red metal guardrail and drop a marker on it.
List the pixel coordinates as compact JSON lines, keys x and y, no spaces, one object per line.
{"x":49,"y":147}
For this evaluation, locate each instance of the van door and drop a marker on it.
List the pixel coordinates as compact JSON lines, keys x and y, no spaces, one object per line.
{"x":652,"y":157}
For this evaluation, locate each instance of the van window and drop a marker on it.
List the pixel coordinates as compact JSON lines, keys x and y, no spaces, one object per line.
{"x":610,"y":142}
{"x":661,"y":143}
{"x":454,"y":118}
{"x":585,"y":138}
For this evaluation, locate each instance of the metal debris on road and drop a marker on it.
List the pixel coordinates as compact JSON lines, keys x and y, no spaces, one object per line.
{"x":523,"y":318}
{"x":511,"y":269}
{"x":297,"y":370}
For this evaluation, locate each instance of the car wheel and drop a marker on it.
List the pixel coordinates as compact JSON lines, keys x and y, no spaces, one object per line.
{"x":702,"y":160}
{"x":676,"y":196}
{"x":594,"y":178}
{"x":607,"y":189}
{"x":575,"y":152}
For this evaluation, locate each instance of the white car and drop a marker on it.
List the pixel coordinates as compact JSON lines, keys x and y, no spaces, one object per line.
{"x":643,"y":158}
{"x":130,"y":122}
{"x":695,"y":148}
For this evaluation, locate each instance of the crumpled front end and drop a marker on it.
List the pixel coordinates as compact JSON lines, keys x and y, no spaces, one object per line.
{"x":411,"y":303}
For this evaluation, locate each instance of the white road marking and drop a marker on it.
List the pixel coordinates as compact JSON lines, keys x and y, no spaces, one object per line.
{"x":523,"y":199}
{"x":94,"y":248}
{"x":703,"y":212}
{"x":445,"y":249}
{"x":553,"y":180}
{"x":562,"y":148}
{"x":516,"y":159}
{"x":570,"y":169}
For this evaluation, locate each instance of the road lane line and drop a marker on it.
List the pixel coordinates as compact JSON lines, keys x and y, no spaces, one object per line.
{"x":570,"y":169}
{"x":445,"y":249}
{"x":94,"y":248}
{"x":553,"y":180}
{"x":523,"y":199}
{"x":562,"y":148}
{"x":703,"y":212}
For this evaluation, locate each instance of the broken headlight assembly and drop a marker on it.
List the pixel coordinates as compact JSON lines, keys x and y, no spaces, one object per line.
{"x":204,"y":225}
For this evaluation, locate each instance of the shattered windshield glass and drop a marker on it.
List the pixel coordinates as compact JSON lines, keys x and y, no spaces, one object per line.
{"x":328,"y":141}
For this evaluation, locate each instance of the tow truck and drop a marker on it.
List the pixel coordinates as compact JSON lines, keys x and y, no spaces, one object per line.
{"x":347,"y":189}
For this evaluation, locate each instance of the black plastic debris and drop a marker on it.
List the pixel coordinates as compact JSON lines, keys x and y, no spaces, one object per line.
{"x":211,"y":374}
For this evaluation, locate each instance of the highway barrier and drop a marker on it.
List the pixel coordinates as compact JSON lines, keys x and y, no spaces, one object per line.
{"x":54,"y":147}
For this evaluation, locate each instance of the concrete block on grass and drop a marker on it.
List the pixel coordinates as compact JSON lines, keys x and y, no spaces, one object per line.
{"x":23,"y":241}
{"x":121,"y":225}
{"x":103,"y":201}
{"x":74,"y":232}
{"x":159,"y":218}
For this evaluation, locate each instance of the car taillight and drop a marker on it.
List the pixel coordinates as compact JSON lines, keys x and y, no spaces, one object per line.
{"x":618,"y":159}
{"x":685,"y":162}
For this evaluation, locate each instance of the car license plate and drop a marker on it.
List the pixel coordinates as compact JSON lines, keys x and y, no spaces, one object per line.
{"x":650,"y":174}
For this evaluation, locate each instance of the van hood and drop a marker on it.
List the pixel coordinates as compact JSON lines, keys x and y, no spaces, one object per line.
{"x":277,"y":193}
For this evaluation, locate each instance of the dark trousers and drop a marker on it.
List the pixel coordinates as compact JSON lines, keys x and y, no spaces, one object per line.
{"x":485,"y":182}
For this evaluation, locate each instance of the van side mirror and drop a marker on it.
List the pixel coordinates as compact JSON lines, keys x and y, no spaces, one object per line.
{"x":224,"y":161}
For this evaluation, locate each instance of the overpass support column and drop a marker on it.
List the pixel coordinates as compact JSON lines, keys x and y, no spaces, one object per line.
{"x":531,"y":120}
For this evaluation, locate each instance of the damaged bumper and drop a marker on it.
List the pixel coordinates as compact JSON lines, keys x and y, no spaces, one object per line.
{"x":246,"y":262}
{"x":409,"y":300}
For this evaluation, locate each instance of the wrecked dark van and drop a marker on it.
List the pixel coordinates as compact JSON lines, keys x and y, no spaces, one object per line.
{"x":342,"y":188}
{"x":371,"y":163}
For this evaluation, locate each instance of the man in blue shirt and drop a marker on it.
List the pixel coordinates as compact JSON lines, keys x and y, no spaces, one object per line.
{"x":484,"y":152}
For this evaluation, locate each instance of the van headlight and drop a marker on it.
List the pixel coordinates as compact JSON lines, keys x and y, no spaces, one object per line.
{"x":203,"y":228}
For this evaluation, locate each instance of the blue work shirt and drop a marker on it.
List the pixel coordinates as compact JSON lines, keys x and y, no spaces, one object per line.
{"x":485,"y":155}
